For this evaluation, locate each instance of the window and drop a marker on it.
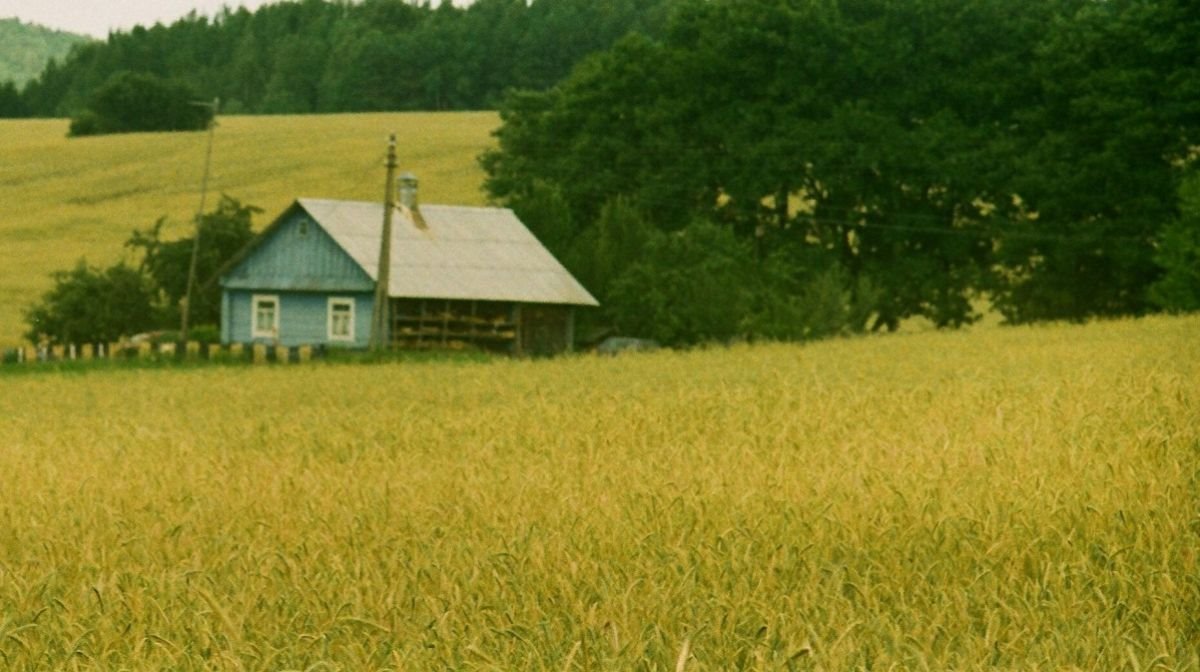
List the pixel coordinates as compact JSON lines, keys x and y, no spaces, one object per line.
{"x":265,"y":317}
{"x":341,"y":319}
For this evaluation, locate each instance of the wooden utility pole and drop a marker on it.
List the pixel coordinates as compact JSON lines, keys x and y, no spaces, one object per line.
{"x":185,"y":307}
{"x":380,"y":315}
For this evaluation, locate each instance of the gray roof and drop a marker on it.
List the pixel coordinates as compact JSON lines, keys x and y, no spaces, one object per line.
{"x":483,"y":254}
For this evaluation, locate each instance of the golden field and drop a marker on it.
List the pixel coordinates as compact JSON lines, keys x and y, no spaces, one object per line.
{"x":1022,"y":499}
{"x":62,"y":199}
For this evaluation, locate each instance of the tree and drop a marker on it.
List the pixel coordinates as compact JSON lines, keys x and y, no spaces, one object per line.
{"x":131,"y":102}
{"x":1095,"y":154}
{"x":12,"y":106}
{"x":294,"y":86}
{"x":1178,"y":254}
{"x":932,"y":150}
{"x":92,"y":305}
{"x":832,"y":128}
{"x":690,"y":286}
{"x":223,"y":233}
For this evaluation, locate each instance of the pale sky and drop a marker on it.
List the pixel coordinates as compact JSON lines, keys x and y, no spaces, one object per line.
{"x":98,"y":17}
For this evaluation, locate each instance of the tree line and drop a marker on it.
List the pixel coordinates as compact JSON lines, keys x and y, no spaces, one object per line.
{"x":340,"y":56}
{"x":793,"y":168}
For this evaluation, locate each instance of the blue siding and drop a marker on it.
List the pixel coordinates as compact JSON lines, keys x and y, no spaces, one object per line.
{"x":303,"y":317}
{"x":299,"y":256}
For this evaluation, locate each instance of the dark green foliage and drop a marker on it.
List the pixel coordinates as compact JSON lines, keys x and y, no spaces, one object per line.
{"x":223,"y":233}
{"x":335,"y":56}
{"x":1179,"y":254}
{"x":689,"y":286}
{"x":11,"y":104}
{"x":903,"y":157}
{"x":617,"y":126}
{"x":92,"y":305}
{"x":130,"y":102}
{"x":702,"y":283}
{"x":1117,"y":105}
{"x":799,"y":295}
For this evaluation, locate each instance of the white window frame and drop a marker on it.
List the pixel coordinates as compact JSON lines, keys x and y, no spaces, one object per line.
{"x":255,"y":300}
{"x":329,"y":306}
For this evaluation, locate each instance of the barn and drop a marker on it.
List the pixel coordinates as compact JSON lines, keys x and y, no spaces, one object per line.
{"x":458,"y":276}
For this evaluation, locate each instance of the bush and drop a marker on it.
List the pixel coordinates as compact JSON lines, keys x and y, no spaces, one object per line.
{"x":205,"y":333}
{"x":91,"y":305}
{"x":703,"y":283}
{"x":805,"y":295}
{"x":690,"y":287}
{"x":131,"y":102}
{"x":85,"y":123}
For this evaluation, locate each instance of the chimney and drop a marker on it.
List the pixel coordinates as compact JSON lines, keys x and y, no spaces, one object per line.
{"x":406,"y":185}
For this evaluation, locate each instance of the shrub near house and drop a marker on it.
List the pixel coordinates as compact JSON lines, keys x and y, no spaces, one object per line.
{"x":94,"y":305}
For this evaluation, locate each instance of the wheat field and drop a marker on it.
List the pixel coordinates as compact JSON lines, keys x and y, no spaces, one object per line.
{"x":1018,"y":498}
{"x":64,"y":199}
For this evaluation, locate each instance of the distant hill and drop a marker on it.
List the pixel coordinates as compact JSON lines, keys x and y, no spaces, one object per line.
{"x":25,"y":49}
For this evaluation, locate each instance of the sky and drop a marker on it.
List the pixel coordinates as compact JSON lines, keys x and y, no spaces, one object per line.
{"x":98,"y":17}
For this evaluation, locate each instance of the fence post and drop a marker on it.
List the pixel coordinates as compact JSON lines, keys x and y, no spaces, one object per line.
{"x":260,"y":353}
{"x":58,"y":352}
{"x":29,"y":354}
{"x":85,"y":352}
{"x":237,"y":351}
{"x":193,"y":349}
{"x":144,"y":350}
{"x":304,"y":354}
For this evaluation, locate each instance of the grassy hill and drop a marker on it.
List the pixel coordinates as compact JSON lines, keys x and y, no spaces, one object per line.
{"x":25,"y":49}
{"x":62,"y":199}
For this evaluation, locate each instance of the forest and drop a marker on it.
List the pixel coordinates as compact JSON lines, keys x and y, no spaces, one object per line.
{"x":338,"y":56}
{"x":720,"y":169}
{"x":791,"y":169}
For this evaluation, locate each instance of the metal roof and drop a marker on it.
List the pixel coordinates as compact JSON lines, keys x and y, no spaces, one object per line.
{"x":484,"y":254}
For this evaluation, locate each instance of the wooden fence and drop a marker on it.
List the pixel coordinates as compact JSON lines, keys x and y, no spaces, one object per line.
{"x":258,"y":353}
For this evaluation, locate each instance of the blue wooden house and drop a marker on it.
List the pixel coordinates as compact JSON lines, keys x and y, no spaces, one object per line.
{"x":458,"y":275}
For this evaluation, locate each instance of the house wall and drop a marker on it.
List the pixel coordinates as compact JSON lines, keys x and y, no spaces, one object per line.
{"x":298,"y":256}
{"x":303,"y":317}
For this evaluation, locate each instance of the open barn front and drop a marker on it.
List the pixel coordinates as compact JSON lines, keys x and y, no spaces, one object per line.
{"x":497,"y":326}
{"x":444,"y":323}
